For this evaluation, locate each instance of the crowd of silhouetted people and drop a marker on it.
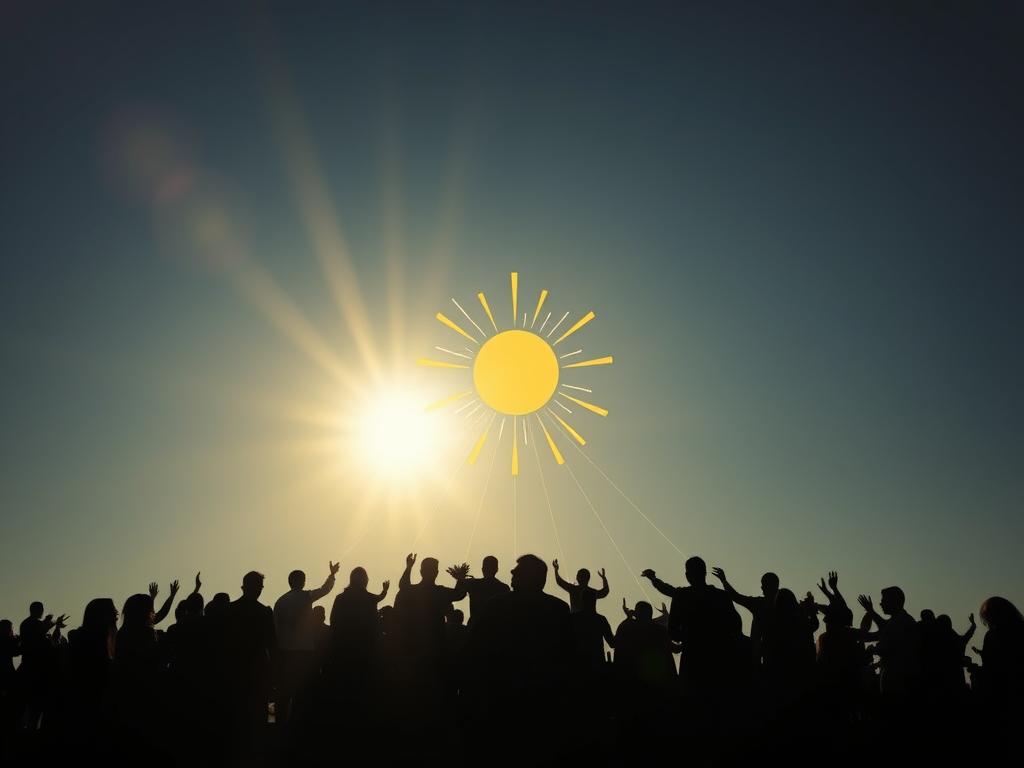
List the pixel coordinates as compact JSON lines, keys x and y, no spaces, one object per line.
{"x":528,"y":676}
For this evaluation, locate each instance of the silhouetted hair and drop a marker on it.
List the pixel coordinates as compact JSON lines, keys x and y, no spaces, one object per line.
{"x":583,"y":576}
{"x":100,"y":615}
{"x":296,"y":579}
{"x":531,"y":573}
{"x":320,"y":614}
{"x":6,"y":628}
{"x":194,"y":604}
{"x":358,"y":577}
{"x":137,"y":611}
{"x":643,"y":611}
{"x":927,"y":615}
{"x":999,"y":612}
{"x":897,"y":595}
{"x":35,"y":610}
{"x":772,"y":579}
{"x":490,"y":565}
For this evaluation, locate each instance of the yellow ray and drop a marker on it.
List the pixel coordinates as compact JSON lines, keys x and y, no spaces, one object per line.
{"x":515,"y":458}
{"x":551,"y":443}
{"x":596,"y":361}
{"x":487,"y":309}
{"x":448,"y":400}
{"x":540,"y":303}
{"x":445,"y":321}
{"x":438,"y":364}
{"x":579,"y":324}
{"x":590,"y":407}
{"x":575,"y":435}
{"x":515,"y":297}
{"x":479,"y":444}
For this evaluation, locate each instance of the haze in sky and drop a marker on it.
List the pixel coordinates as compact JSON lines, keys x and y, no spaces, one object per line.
{"x":226,"y":234}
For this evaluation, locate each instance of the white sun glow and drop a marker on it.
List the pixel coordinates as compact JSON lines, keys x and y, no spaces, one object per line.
{"x":395,"y":437}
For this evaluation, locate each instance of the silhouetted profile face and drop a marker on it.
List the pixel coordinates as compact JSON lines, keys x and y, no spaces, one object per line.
{"x":36,"y":610}
{"x":769,"y":584}
{"x":490,"y":566}
{"x":696,"y":572}
{"x":296,"y":579}
{"x":530,"y":574}
{"x":138,"y":611}
{"x":358,"y":579}
{"x":428,"y":569}
{"x":319,"y":614}
{"x":892,"y":600}
{"x":252,"y":585}
{"x":583,"y":577}
{"x":643,"y":611}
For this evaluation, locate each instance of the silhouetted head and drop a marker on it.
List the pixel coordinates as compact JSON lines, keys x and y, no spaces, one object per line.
{"x":786,"y":603}
{"x":138,"y":612}
{"x":456,"y":617}
{"x":6,"y":628}
{"x":358,"y":578}
{"x":892,"y":600}
{"x":696,"y":572}
{"x":100,"y":615}
{"x":218,"y":603}
{"x":927,"y":616}
{"x":530,"y":574}
{"x":998,"y":612}
{"x":489,"y":568}
{"x":319,"y":614}
{"x":944,"y":623}
{"x":583,"y":577}
{"x":838,"y":616}
{"x":297,"y":579}
{"x":769,"y":585}
{"x":387,"y":618}
{"x":195,"y":604}
{"x":35,"y":610}
{"x":180,"y":610}
{"x":428,"y":569}
{"x":252,"y":585}
{"x":643,"y":611}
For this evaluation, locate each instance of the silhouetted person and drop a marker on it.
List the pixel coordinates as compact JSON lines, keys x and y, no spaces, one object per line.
{"x":91,"y":650}
{"x":355,"y":628}
{"x":840,"y":660}
{"x":788,"y":650}
{"x":38,"y":634}
{"x":759,"y":606}
{"x":643,"y":650}
{"x":250,"y":655}
{"x":154,"y":590}
{"x":479,"y":590}
{"x":293,"y":622}
{"x":582,"y":597}
{"x":899,"y":642}
{"x":1000,"y":680}
{"x":138,"y":656}
{"x":10,"y":700}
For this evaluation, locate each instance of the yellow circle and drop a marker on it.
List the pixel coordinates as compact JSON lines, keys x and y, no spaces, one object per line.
{"x":515,"y":372}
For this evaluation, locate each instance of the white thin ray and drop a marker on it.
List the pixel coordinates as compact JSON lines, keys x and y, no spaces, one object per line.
{"x":524,"y":319}
{"x":468,"y":317}
{"x":581,"y":389}
{"x":569,"y":354}
{"x":464,"y":407}
{"x":541,"y":329}
{"x":480,"y":507}
{"x":478,"y":406}
{"x":501,"y":428}
{"x":547,"y":500}
{"x":450,"y":352}
{"x":526,"y":439}
{"x":557,"y":324}
{"x":562,"y":407}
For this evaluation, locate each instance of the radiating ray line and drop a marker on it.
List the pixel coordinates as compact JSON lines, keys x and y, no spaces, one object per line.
{"x":515,"y":446}
{"x":468,"y":317}
{"x":524,"y":319}
{"x":569,"y":354}
{"x":540,"y":303}
{"x":476,"y":408}
{"x":526,"y":438}
{"x":487,"y":309}
{"x":483,"y":414}
{"x":515,"y":297}
{"x":630,"y":502}
{"x":581,"y":389}
{"x":589,"y":406}
{"x":448,"y":400}
{"x":480,"y":507}
{"x":562,"y":406}
{"x":541,"y":329}
{"x":445,"y":321}
{"x":450,"y":352}
{"x":438,"y":363}
{"x":480,"y":443}
{"x":607,"y":533}
{"x":501,"y":428}
{"x":551,"y":443}
{"x":515,"y":517}
{"x":575,"y":435}
{"x":578,"y":324}
{"x":587,"y":363}
{"x":465,"y":406}
{"x":555,"y":326}
{"x":547,"y":500}
{"x":468,"y":350}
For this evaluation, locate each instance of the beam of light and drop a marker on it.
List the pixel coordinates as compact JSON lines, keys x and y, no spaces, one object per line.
{"x":587,"y":363}
{"x":515,"y":447}
{"x":475,"y":408}
{"x":450,"y":352}
{"x":581,"y":389}
{"x":465,"y":406}
{"x":480,"y":443}
{"x":501,"y":428}
{"x":515,"y":297}
{"x":609,"y":535}
{"x":526,"y":437}
{"x":569,"y":354}
{"x":524,"y":319}
{"x":540,"y":303}
{"x":541,"y":329}
{"x":487,"y":309}
{"x":563,"y":406}
{"x":547,"y":500}
{"x":515,"y":518}
{"x":480,"y":506}
{"x":630,"y":502}
{"x":448,"y":400}
{"x":551,"y":443}
{"x":576,"y":326}
{"x":589,"y":406}
{"x":464,"y":312}
{"x":438,"y":363}
{"x":555,"y":326}
{"x":444,"y":320}
{"x":565,"y":425}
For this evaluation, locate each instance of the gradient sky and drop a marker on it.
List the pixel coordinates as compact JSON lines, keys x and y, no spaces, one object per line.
{"x":799,"y":224}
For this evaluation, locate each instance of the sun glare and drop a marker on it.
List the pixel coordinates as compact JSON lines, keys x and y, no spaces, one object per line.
{"x":395,"y":437}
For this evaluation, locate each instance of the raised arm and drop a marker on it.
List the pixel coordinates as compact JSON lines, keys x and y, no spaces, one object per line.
{"x":328,"y":585}
{"x":406,"y":579}
{"x":461,"y":575}
{"x":166,"y":607}
{"x":965,"y":638}
{"x":750,"y":603}
{"x":603,"y":591}
{"x":384,"y":592}
{"x":666,"y":589}
{"x":559,"y":580}
{"x":869,"y":608}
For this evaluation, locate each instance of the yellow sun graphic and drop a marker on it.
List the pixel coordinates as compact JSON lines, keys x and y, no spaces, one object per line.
{"x":518,"y":373}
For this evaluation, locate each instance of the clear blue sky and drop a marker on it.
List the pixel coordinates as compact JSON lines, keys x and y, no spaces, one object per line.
{"x":799,"y":226}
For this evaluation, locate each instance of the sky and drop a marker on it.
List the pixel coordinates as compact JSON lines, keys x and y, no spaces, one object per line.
{"x":226,"y":230}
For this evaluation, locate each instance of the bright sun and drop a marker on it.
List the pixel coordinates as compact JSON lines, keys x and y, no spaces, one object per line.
{"x":518,"y":373}
{"x":397,"y":438}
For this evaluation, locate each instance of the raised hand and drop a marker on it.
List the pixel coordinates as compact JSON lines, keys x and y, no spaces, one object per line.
{"x":625,"y":609}
{"x":865,"y":603}
{"x":601,"y":574}
{"x":174,"y":587}
{"x":554,"y":564}
{"x":647,"y":573}
{"x":833,"y":580}
{"x":198,"y":582}
{"x":154,"y":589}
{"x":387,"y":586}
{"x":410,"y":560}
{"x":719,"y":574}
{"x":61,"y":622}
{"x":334,"y":567}
{"x":823,"y":588}
{"x":663,"y":610}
